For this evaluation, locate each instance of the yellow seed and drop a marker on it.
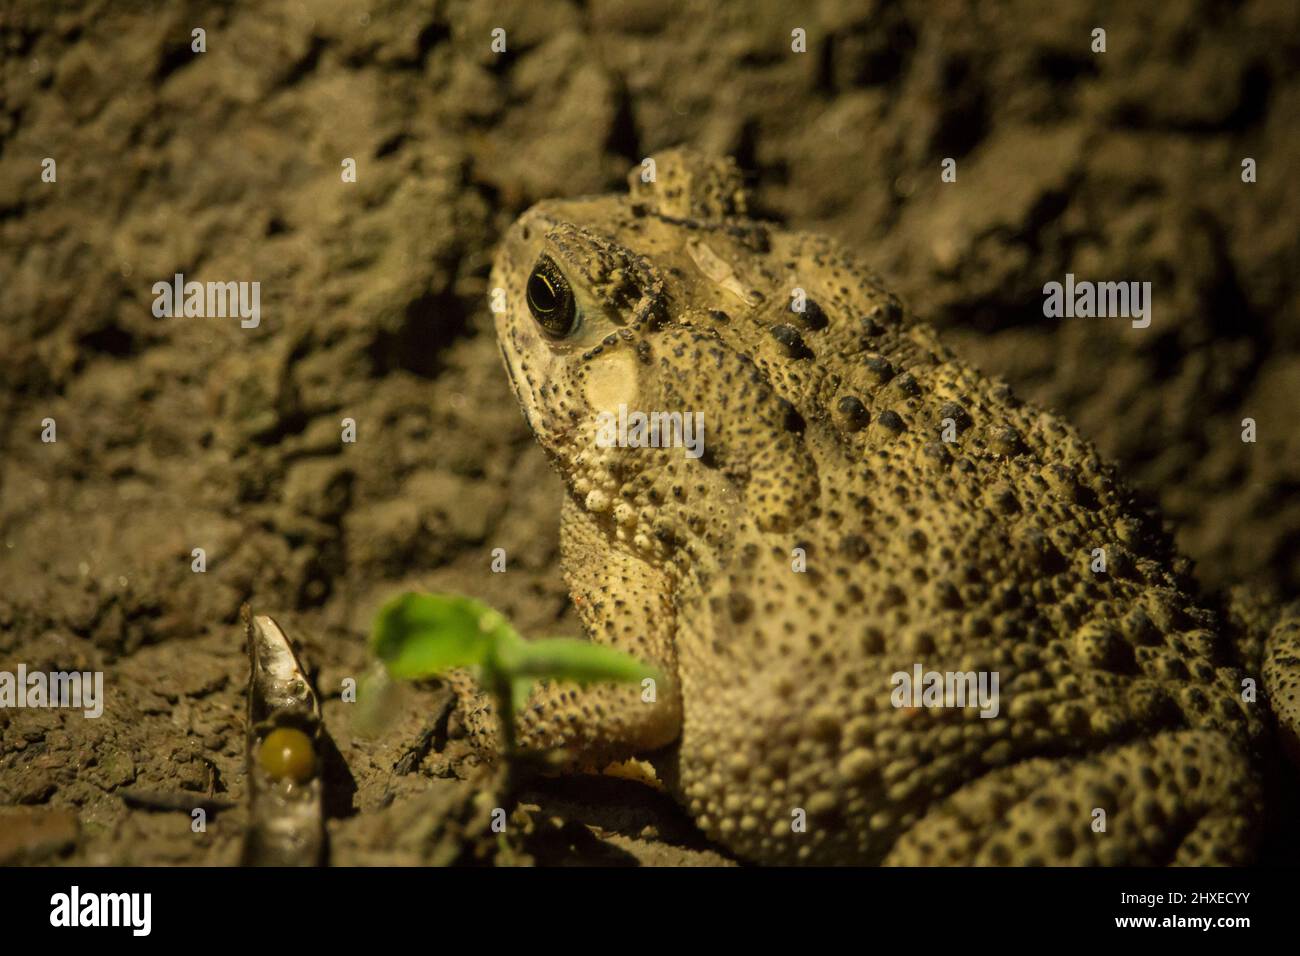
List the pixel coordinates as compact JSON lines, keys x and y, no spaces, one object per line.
{"x":288,"y":753}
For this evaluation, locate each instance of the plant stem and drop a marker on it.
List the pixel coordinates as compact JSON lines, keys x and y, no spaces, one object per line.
{"x":506,"y":708}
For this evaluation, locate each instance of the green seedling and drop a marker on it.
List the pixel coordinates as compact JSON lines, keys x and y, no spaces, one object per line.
{"x":426,"y":635}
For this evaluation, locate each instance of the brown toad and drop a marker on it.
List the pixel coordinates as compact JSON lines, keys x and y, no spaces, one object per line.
{"x":865,"y":504}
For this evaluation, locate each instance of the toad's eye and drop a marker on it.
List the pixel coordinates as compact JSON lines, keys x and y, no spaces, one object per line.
{"x":550,"y":299}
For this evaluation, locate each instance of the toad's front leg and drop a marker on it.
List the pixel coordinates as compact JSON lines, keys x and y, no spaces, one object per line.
{"x":624,"y":603}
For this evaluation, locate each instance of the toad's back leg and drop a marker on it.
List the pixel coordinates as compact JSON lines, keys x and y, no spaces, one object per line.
{"x":1281,"y":673}
{"x":624,"y":603}
{"x":1183,"y":797}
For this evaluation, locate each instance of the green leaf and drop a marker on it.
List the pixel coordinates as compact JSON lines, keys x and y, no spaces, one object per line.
{"x":379,"y":700}
{"x":423,"y":635}
{"x":564,"y":658}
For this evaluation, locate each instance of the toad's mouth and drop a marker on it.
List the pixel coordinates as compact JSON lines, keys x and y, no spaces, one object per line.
{"x":558,"y":438}
{"x":514,"y":387}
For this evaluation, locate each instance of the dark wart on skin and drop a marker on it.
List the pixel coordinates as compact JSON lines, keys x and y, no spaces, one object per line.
{"x":791,"y":342}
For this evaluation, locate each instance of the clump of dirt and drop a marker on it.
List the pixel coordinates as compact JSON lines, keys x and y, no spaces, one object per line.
{"x":179,"y":434}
